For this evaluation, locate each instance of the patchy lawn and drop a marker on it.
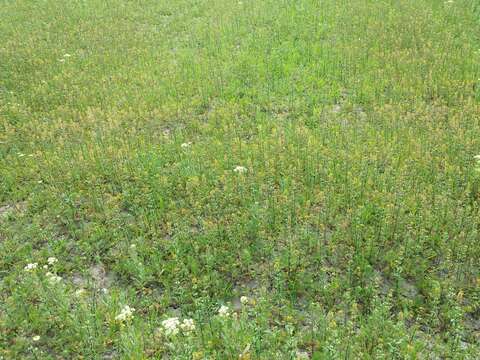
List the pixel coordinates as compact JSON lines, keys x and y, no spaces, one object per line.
{"x":216,"y":179}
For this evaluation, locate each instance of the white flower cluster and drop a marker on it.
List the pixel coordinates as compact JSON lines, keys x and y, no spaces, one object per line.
{"x":244,"y":300}
{"x":240,"y":169}
{"x":186,"y":145}
{"x":30,"y":267}
{"x":224,"y":311}
{"x":187,"y":325}
{"x":172,"y":326}
{"x":302,"y":355}
{"x":53,"y":278}
{"x":125,"y":314}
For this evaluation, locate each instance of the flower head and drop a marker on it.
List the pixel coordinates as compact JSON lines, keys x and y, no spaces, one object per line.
{"x":223,"y":311}
{"x":30,"y":267}
{"x":302,"y":355}
{"x":244,"y":300}
{"x":36,"y":338}
{"x":52,"y":260}
{"x":187,"y":325}
{"x":170,"y":326}
{"x":240,"y":169}
{"x":186,"y":145}
{"x":125,"y":314}
{"x":52,"y":278}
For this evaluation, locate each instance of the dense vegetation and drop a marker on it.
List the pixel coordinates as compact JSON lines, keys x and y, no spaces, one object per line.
{"x":297,"y":177}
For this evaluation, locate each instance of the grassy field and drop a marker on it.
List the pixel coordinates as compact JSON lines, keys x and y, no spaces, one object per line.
{"x":217,"y":179}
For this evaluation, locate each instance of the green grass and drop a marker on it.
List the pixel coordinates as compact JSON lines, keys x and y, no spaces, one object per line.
{"x":354,"y":232}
